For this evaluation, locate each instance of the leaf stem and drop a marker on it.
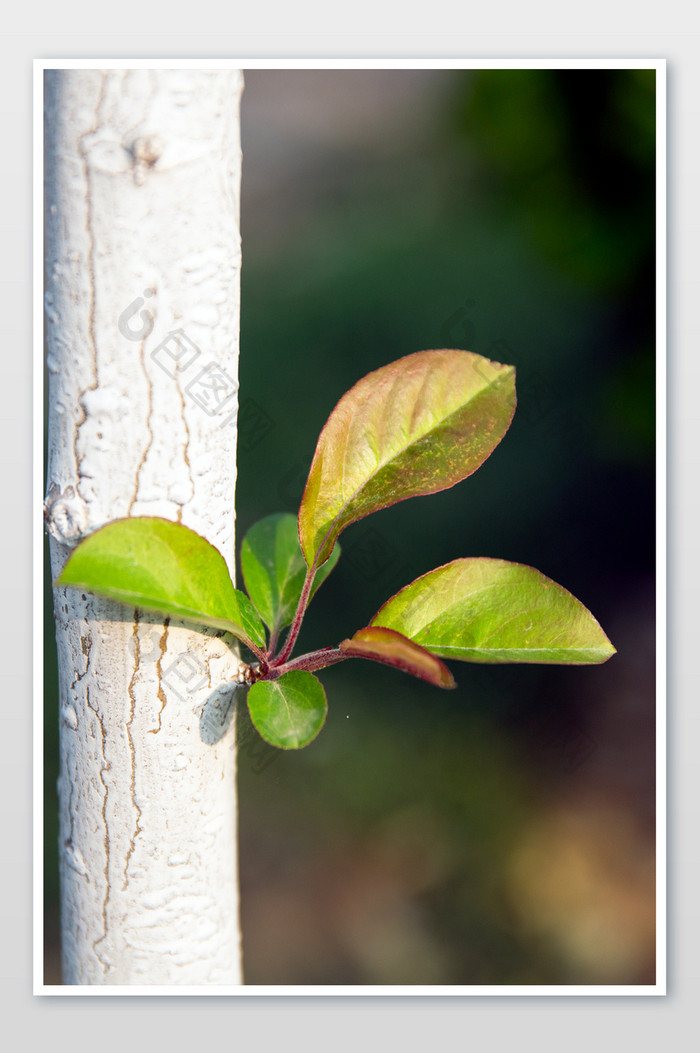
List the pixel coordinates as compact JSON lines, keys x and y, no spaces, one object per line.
{"x":298,"y":618}
{"x":307,"y":662}
{"x":274,"y":637}
{"x":262,"y":657}
{"x":257,"y":651}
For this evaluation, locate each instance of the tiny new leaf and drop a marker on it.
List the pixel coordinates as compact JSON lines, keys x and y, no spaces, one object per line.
{"x":274,"y":568}
{"x":288,"y":712}
{"x":161,"y":566}
{"x":416,"y":426}
{"x":490,"y":610}
{"x":391,"y":648}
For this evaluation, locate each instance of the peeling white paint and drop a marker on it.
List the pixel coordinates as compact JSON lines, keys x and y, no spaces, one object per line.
{"x":143,"y":172}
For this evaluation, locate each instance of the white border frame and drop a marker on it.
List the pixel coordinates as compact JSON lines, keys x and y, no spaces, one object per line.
{"x":659,"y":988}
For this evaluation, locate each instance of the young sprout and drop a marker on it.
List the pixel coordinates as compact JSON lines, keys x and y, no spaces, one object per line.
{"x":416,"y":426}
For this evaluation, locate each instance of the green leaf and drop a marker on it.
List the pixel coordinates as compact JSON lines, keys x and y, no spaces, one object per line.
{"x":489,"y":610}
{"x":274,"y":568}
{"x":413,"y":427}
{"x":161,"y":566}
{"x":288,"y":712}
{"x":391,"y":648}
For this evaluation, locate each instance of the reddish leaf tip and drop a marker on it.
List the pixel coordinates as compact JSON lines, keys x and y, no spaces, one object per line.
{"x":390,"y":647}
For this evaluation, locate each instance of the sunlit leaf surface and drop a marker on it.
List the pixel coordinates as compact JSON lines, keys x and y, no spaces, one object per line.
{"x":274,"y":568}
{"x":489,"y":610}
{"x":415,"y":426}
{"x":161,"y":566}
{"x":288,"y":712}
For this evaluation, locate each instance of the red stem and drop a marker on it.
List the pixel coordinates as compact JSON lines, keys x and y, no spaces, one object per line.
{"x":307,"y":662}
{"x":298,"y":618}
{"x":274,"y":635}
{"x":259,"y":654}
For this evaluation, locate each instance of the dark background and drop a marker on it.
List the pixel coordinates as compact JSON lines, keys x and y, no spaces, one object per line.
{"x":502,"y":833}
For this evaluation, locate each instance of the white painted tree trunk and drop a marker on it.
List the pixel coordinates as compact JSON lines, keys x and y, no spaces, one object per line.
{"x":142,"y":307}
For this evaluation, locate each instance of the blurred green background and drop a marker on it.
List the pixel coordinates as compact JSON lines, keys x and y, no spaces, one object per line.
{"x":502,"y":833}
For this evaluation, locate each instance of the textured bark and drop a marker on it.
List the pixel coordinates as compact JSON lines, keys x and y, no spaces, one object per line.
{"x":142,"y":304}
